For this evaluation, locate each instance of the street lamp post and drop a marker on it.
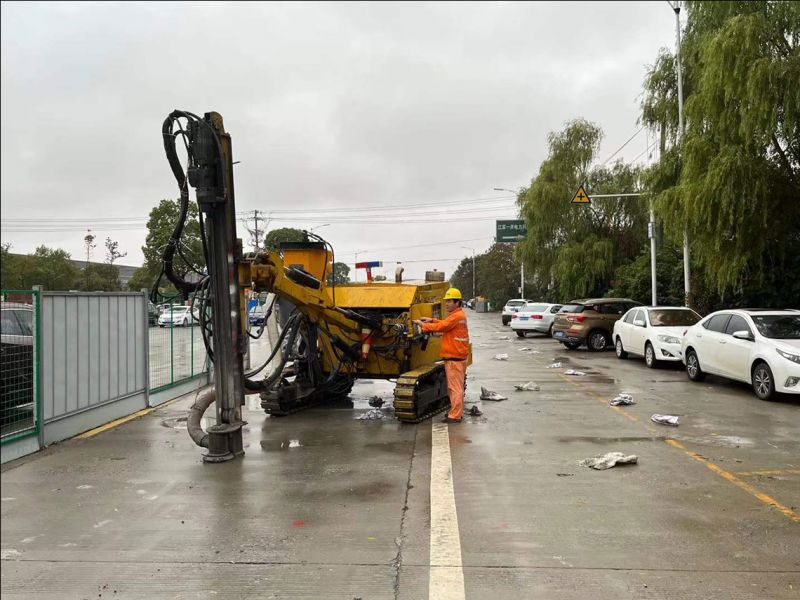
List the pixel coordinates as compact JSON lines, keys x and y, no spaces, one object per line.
{"x":473,"y":269}
{"x":675,"y":5}
{"x":318,"y":227}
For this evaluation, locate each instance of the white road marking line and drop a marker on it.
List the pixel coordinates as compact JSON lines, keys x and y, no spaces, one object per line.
{"x":447,"y":574}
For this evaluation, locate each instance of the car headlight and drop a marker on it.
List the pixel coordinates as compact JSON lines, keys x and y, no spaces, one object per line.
{"x":668,"y":339}
{"x":789,"y":356}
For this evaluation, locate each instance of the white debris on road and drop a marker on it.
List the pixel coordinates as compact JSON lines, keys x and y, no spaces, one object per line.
{"x":602,"y":462}
{"x":503,"y":356}
{"x":527,"y":387}
{"x":490,"y":395}
{"x":555,"y":366}
{"x":574,"y":373}
{"x":665,"y":420}
{"x":622,"y":399}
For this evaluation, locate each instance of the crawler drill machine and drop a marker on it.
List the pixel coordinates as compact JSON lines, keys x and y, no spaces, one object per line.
{"x":333,"y":335}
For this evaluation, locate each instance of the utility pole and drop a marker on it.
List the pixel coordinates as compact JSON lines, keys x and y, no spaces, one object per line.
{"x":681,"y":125}
{"x":256,"y":233}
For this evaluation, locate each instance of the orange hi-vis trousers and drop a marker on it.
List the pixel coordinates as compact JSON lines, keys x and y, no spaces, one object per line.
{"x":456,"y":372}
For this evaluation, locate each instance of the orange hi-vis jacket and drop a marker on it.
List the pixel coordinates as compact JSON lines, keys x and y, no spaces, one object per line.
{"x":455,"y":336}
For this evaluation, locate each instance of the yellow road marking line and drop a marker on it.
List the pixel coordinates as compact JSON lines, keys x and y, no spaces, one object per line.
{"x":112,"y":424}
{"x":736,"y":481}
{"x":716,"y":469}
{"x":778,"y":472}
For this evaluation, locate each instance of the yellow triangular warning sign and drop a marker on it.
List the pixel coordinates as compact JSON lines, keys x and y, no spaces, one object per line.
{"x":581,"y":197}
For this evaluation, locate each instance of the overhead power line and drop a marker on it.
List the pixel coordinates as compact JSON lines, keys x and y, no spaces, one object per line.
{"x":623,"y":145}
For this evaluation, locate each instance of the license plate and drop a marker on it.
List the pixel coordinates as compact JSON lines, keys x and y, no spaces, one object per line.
{"x":523,"y":318}
{"x":558,"y":334}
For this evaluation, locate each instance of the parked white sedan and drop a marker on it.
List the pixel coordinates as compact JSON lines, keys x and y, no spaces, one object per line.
{"x":759,"y":347}
{"x":534,"y":316}
{"x":179,"y":316}
{"x":654,"y":332}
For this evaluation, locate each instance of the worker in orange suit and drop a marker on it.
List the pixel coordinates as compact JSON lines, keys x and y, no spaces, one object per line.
{"x":455,"y":349}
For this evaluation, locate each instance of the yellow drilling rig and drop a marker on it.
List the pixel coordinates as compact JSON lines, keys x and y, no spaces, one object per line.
{"x":333,"y":335}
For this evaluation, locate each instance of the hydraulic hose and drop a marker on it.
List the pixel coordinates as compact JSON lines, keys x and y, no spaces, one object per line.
{"x":196,"y":412}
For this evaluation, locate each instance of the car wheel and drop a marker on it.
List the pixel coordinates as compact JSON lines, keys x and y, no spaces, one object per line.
{"x":597,"y":341}
{"x":693,"y":370}
{"x":763,"y":381}
{"x":620,"y":350}
{"x":571,"y":345}
{"x":520,"y":333}
{"x":650,"y":356}
{"x":550,"y":331}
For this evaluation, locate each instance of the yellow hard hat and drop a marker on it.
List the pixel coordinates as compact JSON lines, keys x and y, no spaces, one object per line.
{"x":452,"y":294}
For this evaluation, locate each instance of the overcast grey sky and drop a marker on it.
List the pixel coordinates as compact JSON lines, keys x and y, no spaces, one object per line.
{"x":331,"y":106}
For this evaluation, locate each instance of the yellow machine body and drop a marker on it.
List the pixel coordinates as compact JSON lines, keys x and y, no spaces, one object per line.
{"x":373,"y":319}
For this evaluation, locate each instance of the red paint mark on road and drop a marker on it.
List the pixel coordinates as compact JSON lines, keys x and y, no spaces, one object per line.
{"x":298,"y":523}
{"x":504,"y":525}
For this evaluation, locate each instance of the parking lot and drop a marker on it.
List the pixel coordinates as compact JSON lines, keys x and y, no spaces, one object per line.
{"x":326,"y":504}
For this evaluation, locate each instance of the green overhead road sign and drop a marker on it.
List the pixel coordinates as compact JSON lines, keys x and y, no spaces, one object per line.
{"x":511,"y":231}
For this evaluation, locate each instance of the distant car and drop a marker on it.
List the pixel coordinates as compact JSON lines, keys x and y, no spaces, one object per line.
{"x":653,"y":332}
{"x":759,"y":347}
{"x":590,"y":321}
{"x":16,"y":362}
{"x":179,"y":316}
{"x":258,"y":315}
{"x":511,"y":307}
{"x":534,"y":316}
{"x":471,"y":303}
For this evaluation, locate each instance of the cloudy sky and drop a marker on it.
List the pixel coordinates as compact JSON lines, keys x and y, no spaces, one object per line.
{"x":341,"y":114}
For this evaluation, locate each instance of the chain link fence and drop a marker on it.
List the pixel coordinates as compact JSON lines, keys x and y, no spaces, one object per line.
{"x":176,"y":346}
{"x":19,"y":364}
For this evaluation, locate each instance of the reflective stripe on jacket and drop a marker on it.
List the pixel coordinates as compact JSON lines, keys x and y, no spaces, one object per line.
{"x":455,"y":335}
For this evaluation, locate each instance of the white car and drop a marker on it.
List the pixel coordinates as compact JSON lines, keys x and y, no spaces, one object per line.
{"x":179,"y":316}
{"x":654,"y":332}
{"x":511,"y":307}
{"x":759,"y":347}
{"x":534,"y":316}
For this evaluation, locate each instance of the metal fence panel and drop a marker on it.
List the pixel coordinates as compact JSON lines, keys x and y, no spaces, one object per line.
{"x":19,"y":365}
{"x":93,"y":350}
{"x":176,"y":349}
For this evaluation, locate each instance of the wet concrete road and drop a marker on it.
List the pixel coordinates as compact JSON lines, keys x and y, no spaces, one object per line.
{"x":325,"y":505}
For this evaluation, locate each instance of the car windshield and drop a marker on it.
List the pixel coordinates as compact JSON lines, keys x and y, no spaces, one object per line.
{"x":673,"y":318}
{"x":778,"y":327}
{"x":536,"y":308}
{"x":572,"y":308}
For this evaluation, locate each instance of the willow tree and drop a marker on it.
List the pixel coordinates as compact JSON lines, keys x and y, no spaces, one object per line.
{"x":574,"y":249}
{"x":735,"y":183}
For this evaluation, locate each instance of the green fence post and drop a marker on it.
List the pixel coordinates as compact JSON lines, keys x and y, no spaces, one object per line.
{"x":37,"y":357}
{"x":171,"y":346}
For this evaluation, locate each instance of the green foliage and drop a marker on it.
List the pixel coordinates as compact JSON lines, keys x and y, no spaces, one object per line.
{"x":497,"y":274}
{"x":160,"y":225}
{"x":112,"y":251}
{"x":573,"y":250}
{"x":632,"y":280}
{"x":12,"y":268}
{"x":97,"y":277}
{"x":339,"y":274}
{"x":274,"y":238}
{"x":736,"y":185}
{"x":462,"y":277}
{"x":52,"y":269}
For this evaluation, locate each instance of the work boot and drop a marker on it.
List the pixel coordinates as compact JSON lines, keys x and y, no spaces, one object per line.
{"x":449,"y":420}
